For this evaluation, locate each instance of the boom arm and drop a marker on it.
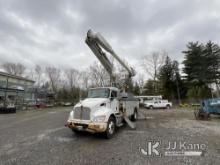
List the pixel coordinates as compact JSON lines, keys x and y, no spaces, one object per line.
{"x":96,"y":43}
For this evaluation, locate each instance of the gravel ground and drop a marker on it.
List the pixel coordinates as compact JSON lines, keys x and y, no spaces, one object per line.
{"x":39,"y":137}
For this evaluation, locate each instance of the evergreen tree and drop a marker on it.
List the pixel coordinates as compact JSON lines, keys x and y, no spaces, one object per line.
{"x":166,"y":79}
{"x":193,"y":64}
{"x":201,"y":66}
{"x":149,"y":88}
{"x":171,"y":84}
{"x":136,"y":89}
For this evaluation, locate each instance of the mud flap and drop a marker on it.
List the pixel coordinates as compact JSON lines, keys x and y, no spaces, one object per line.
{"x":131,"y":124}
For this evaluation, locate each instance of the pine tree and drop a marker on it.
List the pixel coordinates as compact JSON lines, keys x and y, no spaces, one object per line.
{"x":201,"y":66}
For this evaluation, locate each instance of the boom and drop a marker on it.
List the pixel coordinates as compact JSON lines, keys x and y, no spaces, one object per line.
{"x":97,"y":44}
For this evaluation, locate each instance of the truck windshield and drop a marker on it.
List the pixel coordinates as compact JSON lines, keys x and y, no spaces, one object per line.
{"x":99,"y":93}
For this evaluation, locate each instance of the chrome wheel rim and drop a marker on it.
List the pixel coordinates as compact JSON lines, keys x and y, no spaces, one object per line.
{"x":111,"y":127}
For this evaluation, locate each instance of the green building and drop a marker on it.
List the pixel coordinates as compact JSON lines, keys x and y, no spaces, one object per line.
{"x":15,"y":90}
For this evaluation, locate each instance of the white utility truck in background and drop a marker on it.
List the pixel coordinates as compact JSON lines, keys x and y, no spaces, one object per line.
{"x":105,"y":108}
{"x":156,"y":104}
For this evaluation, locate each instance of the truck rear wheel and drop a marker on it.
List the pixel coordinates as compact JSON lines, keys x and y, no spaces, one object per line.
{"x":110,"y":128}
{"x":168,"y":107}
{"x":151,"y":107}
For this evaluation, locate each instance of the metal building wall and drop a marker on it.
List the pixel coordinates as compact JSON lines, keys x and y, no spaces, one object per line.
{"x":15,"y":90}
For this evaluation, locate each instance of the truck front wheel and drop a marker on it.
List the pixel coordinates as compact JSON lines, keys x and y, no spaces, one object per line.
{"x":110,"y":128}
{"x":76,"y":131}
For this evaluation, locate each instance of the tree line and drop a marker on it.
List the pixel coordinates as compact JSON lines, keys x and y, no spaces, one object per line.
{"x":198,"y":78}
{"x":66,"y":84}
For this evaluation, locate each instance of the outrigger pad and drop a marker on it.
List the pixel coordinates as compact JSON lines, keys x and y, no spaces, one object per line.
{"x":130,"y":123}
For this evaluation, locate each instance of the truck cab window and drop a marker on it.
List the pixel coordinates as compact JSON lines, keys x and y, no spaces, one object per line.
{"x":113,"y":94}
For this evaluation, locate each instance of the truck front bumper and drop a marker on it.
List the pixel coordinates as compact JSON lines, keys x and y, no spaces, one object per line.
{"x":85,"y":126}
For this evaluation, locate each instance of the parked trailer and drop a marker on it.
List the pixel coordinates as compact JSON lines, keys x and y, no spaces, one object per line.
{"x":208,"y":107}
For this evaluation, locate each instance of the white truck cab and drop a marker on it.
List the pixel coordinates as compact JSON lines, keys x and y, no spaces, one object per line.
{"x":102,"y":111}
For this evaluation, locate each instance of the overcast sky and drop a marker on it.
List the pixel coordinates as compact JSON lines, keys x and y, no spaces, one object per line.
{"x":52,"y":32}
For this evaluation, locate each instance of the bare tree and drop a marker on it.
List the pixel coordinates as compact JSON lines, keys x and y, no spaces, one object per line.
{"x":38,"y":74}
{"x":16,"y":69}
{"x":140,"y":81}
{"x":54,"y":77}
{"x":152,"y":64}
{"x":72,"y":76}
{"x":99,"y":76}
{"x":85,"y":78}
{"x":29,"y":74}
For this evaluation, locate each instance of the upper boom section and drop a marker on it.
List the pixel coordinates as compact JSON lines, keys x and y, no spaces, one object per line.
{"x":96,"y":42}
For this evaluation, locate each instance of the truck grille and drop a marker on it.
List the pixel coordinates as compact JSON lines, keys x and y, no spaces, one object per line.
{"x":82,"y":113}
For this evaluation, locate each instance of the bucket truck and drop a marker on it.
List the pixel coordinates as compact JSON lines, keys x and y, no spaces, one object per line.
{"x":105,"y":108}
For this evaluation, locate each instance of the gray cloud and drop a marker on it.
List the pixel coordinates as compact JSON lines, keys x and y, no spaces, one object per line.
{"x":52,"y":32}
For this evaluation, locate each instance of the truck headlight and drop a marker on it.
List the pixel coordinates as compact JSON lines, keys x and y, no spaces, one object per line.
{"x":99,"y":118}
{"x":71,"y":115}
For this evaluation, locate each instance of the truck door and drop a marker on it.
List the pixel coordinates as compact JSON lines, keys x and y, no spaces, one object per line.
{"x":160,"y":104}
{"x":156,"y":104}
{"x":114,"y":101}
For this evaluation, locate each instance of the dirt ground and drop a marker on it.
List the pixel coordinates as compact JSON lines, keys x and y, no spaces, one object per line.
{"x":39,"y":137}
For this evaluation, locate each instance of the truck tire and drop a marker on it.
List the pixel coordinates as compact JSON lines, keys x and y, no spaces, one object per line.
{"x":167,"y":106}
{"x":76,"y":131}
{"x":151,"y":107}
{"x":200,"y":115}
{"x":134,"y":117}
{"x":110,"y":128}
